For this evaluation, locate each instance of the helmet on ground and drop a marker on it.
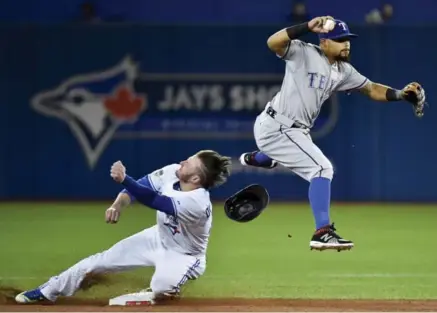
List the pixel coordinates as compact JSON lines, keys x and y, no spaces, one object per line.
{"x":247,"y":204}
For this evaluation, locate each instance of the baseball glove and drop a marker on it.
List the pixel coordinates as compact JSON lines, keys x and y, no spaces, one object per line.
{"x":415,"y":94}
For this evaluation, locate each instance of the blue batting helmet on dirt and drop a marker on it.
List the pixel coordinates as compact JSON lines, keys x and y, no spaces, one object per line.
{"x":341,"y":30}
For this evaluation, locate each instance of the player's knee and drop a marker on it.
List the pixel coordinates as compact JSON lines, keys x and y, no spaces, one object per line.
{"x":325,"y":171}
{"x":328,"y":172}
{"x":164,"y":285}
{"x":99,"y":262}
{"x":90,"y":264}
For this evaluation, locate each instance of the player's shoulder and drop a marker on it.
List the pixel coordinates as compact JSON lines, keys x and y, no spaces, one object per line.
{"x":307,"y":45}
{"x":309,"y":49}
{"x":167,"y":171}
{"x":299,"y":43}
{"x":346,"y":68}
{"x":197,"y":198}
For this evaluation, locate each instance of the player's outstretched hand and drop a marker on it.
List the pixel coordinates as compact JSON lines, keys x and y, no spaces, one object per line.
{"x":415,"y":94}
{"x":112,"y":215}
{"x":118,"y":172}
{"x":316,"y":24}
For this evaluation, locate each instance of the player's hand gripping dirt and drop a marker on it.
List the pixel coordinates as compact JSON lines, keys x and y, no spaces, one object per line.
{"x":112,"y":214}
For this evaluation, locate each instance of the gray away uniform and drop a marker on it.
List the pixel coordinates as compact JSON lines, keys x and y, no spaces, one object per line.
{"x":282,"y":129}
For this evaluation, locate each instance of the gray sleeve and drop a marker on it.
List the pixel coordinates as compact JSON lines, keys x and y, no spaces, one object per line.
{"x":352,"y":79}
{"x":294,"y":54}
{"x":293,"y":50}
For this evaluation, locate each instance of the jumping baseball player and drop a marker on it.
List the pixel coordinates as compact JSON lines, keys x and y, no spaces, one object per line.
{"x":176,"y":246}
{"x":312,"y":74}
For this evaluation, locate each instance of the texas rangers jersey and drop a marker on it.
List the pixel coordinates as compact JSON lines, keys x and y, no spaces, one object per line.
{"x":188,"y":231}
{"x":309,"y":80}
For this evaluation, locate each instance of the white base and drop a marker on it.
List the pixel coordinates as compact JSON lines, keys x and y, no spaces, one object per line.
{"x":141,"y":298}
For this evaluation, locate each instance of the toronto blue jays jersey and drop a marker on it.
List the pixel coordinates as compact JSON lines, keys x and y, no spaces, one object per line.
{"x":188,"y":231}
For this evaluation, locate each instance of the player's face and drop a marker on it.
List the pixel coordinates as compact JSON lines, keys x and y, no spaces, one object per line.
{"x":190,"y":170}
{"x":339,"y":49}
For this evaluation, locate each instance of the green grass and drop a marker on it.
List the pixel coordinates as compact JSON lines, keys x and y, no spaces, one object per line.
{"x":395,"y":255}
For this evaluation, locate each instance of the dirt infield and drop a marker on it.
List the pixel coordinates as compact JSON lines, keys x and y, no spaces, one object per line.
{"x":222,"y":305}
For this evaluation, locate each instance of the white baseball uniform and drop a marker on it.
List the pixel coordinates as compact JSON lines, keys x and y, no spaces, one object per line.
{"x":176,"y":246}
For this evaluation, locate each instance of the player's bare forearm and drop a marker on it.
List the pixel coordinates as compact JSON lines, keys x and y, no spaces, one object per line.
{"x":380,"y":92}
{"x":278,"y":42}
{"x":122,"y":201}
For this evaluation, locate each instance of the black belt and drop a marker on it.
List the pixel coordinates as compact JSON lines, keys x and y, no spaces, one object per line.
{"x":273,"y":114}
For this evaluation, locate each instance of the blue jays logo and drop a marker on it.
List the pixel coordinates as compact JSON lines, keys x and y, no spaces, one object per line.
{"x":94,"y":105}
{"x":172,"y":224}
{"x":174,"y":229}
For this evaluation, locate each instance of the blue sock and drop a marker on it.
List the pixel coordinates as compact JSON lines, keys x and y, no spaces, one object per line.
{"x":262,"y":159}
{"x":319,"y":194}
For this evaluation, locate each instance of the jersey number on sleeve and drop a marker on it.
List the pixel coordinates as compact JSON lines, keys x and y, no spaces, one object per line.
{"x":208,"y":211}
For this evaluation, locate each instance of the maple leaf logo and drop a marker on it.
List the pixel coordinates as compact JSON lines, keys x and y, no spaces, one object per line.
{"x":125,"y":104}
{"x":95,"y":105}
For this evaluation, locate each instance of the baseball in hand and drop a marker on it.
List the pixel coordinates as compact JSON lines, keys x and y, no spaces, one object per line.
{"x":329,"y":25}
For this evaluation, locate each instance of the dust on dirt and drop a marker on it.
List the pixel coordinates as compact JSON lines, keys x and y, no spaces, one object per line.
{"x":92,"y":279}
{"x":73,"y":304}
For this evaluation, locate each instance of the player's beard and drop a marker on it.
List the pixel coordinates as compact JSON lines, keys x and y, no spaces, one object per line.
{"x":184,"y":177}
{"x":343,"y":58}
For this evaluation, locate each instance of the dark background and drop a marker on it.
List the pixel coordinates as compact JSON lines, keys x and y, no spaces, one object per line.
{"x":217,"y":51}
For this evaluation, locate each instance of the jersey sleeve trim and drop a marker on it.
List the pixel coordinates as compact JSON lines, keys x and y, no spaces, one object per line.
{"x":362,"y":84}
{"x":286,"y":51}
{"x":349,"y":91}
{"x":175,"y":208}
{"x":151,"y":184}
{"x":131,"y":197}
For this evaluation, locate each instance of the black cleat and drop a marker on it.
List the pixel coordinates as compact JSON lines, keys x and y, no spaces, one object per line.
{"x":326,"y":238}
{"x":248,"y":159}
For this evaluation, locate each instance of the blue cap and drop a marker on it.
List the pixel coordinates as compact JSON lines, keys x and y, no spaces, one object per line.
{"x":341,"y":30}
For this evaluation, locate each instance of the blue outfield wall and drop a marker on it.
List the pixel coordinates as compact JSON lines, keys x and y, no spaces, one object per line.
{"x":211,"y":11}
{"x":74,"y":99}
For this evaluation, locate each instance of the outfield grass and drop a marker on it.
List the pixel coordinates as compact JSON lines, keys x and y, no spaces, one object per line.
{"x":395,"y":255}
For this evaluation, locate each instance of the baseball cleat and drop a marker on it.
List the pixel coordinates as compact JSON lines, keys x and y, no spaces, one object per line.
{"x":142,"y":298}
{"x":248,"y":159}
{"x":326,"y":238}
{"x":30,"y":296}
